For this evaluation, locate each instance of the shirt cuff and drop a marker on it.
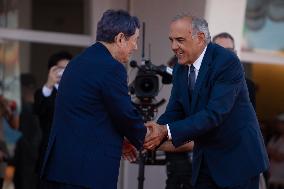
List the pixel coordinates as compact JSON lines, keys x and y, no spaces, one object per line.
{"x":46,"y":91}
{"x":169,"y":132}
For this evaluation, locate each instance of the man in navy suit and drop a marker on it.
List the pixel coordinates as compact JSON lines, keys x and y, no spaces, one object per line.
{"x":93,"y":111}
{"x":210,"y":105}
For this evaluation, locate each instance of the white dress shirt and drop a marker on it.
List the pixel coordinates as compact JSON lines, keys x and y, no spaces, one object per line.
{"x":197,"y":65}
{"x":47,"y":91}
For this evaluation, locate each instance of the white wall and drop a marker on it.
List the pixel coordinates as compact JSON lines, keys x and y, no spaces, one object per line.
{"x":24,"y":22}
{"x":97,"y":7}
{"x":226,"y":16}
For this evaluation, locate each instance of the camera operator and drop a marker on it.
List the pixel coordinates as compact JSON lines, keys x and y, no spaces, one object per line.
{"x":8,"y":113}
{"x":178,"y":160}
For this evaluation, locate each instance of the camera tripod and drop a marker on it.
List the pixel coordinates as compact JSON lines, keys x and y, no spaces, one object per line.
{"x":147,"y":109}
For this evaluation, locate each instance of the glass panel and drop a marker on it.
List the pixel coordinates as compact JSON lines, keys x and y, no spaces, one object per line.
{"x":69,"y":16}
{"x":9,"y":53}
{"x":264,"y":25}
{"x":9,"y":70}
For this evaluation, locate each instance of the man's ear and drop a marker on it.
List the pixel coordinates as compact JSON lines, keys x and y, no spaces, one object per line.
{"x":201,"y":37}
{"x":119,"y":38}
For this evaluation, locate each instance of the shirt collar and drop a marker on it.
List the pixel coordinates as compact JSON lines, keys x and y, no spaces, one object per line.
{"x":198,"y":61}
{"x":56,"y":86}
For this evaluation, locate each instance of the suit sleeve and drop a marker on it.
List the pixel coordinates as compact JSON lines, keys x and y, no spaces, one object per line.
{"x":223,"y":95}
{"x":43,"y":105}
{"x":120,"y":108}
{"x":174,"y":110}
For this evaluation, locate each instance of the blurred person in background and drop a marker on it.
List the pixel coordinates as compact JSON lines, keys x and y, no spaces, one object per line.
{"x":27,"y":147}
{"x":44,"y":98}
{"x":275,"y":150}
{"x":8,"y":114}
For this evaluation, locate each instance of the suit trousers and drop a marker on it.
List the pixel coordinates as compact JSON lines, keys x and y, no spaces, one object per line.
{"x":205,"y":181}
{"x":45,"y":184}
{"x":179,"y":174}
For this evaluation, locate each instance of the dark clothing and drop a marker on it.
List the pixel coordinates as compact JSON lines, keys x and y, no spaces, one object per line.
{"x":90,"y":123}
{"x":179,"y":171}
{"x":251,"y":90}
{"x":205,"y":181}
{"x":276,"y":186}
{"x":44,"y":109}
{"x":219,"y":117}
{"x":27,"y":150}
{"x":58,"y":185}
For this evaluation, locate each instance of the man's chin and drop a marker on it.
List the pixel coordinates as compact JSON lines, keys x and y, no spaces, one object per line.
{"x":181,"y":62}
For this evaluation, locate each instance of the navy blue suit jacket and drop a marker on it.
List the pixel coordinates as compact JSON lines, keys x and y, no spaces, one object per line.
{"x":219,"y":117}
{"x":93,"y":113}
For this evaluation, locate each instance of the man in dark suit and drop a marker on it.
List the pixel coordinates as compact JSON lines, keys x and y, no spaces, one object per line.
{"x":93,"y":111}
{"x":44,"y":98}
{"x":215,"y":112}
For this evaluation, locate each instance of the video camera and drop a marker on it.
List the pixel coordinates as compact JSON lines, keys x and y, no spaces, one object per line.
{"x":146,"y":83}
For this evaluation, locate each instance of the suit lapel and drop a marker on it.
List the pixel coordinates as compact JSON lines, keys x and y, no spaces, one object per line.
{"x":201,"y":76}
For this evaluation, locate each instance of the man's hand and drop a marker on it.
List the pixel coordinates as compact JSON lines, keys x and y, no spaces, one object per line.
{"x":53,"y":77}
{"x":129,"y":151}
{"x":157,"y":134}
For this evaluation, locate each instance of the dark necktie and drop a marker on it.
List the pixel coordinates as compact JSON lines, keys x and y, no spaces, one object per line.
{"x":191,"y":78}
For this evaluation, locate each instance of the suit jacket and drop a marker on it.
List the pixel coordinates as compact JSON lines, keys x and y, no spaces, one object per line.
{"x":93,"y":114}
{"x":219,"y":117}
{"x":44,"y":109}
{"x":251,"y":90}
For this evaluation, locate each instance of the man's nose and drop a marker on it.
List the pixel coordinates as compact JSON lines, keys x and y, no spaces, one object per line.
{"x":174,"y":45}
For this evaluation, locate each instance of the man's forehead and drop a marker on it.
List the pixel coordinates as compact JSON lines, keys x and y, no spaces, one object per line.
{"x":181,"y":24}
{"x":179,"y":29}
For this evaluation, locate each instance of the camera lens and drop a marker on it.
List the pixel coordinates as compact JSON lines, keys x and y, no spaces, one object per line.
{"x":146,"y":85}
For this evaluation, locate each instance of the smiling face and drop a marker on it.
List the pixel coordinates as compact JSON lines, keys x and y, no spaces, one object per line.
{"x":127,"y":45}
{"x":186,"y":47}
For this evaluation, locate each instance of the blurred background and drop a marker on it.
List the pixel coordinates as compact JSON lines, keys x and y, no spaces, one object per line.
{"x":32,"y":30}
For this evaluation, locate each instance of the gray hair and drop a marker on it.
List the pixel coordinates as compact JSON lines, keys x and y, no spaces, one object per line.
{"x":198,"y":25}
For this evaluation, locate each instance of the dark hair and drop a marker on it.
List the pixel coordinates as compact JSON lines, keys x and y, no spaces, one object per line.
{"x":224,"y":35}
{"x":115,"y":21}
{"x":56,"y":57}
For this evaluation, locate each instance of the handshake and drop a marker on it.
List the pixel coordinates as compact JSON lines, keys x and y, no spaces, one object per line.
{"x":156,"y":134}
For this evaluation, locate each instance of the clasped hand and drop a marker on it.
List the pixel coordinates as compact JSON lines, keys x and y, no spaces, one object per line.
{"x":155,"y":136}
